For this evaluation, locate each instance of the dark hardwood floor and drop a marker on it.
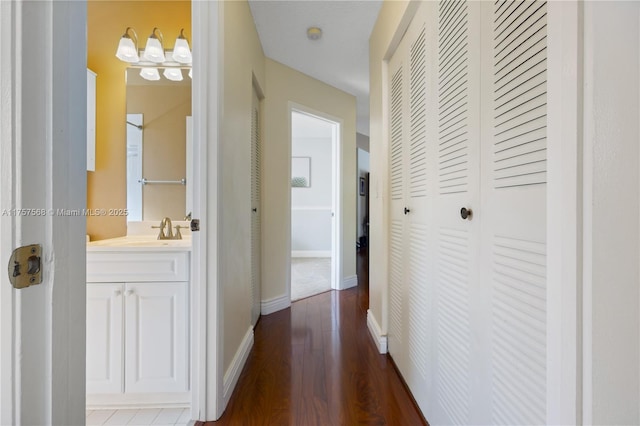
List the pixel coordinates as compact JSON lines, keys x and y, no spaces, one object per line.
{"x":316,"y":364}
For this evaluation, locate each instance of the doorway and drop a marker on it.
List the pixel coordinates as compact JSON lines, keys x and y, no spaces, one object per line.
{"x":142,"y":341}
{"x":314,"y":203}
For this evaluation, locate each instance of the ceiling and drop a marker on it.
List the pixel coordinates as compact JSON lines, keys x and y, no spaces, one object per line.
{"x":339,"y":58}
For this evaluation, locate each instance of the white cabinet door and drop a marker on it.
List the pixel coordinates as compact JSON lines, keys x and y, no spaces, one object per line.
{"x":156,"y":347}
{"x":104,"y":338}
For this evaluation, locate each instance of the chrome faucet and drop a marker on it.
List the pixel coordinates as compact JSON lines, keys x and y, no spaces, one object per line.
{"x":168,"y":235}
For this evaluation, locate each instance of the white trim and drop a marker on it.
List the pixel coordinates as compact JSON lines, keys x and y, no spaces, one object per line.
{"x":9,"y":66}
{"x":311,"y":208}
{"x":379,"y":339}
{"x":275,"y":304}
{"x":123,"y":401}
{"x":206,"y":361}
{"x":336,"y":193}
{"x":564,"y":212}
{"x":237,"y":363}
{"x":310,"y":253}
{"x":348,"y":282}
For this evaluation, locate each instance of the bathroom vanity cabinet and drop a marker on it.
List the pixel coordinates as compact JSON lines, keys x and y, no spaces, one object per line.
{"x":137,"y":327}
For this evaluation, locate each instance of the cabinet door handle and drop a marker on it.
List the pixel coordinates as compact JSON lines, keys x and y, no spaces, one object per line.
{"x":129,"y":292}
{"x":117,"y":292}
{"x":407,"y":210}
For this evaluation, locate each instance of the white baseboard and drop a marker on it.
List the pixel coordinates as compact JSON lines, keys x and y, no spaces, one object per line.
{"x":232,"y":374}
{"x":275,"y":304}
{"x":349,"y":282}
{"x":122,"y":401}
{"x":311,"y":253}
{"x":376,"y":333}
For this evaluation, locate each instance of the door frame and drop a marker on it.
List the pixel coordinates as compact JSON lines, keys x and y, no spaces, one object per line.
{"x":206,"y":318}
{"x":336,"y":193}
{"x":564,"y":213}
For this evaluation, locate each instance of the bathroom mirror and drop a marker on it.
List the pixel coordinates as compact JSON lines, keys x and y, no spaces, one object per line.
{"x":158,"y":121}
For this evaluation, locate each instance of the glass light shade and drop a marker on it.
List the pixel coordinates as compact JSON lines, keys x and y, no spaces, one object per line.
{"x":181,"y":51}
{"x":127,"y":51}
{"x":191,"y":73}
{"x":150,"y":74}
{"x":173,"y":74}
{"x":154,"y":51}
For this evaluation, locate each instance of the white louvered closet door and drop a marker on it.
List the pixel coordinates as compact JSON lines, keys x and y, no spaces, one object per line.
{"x":412,"y":82}
{"x":397,"y":190}
{"x":467,"y":296}
{"x":458,"y":337}
{"x":256,"y":240}
{"x":514,"y":207}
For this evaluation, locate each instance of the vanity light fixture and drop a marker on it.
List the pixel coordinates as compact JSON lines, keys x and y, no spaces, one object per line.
{"x":150,"y":74}
{"x":154,"y":56}
{"x":173,"y":74}
{"x":181,"y":51}
{"x":127,"y":49}
{"x":154,"y":51}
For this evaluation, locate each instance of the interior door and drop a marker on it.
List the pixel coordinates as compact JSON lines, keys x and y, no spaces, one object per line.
{"x":514,"y":51}
{"x":456,"y":231}
{"x":420,"y":151}
{"x":43,"y":169}
{"x":411,"y":129}
{"x":256,"y":230}
{"x":397,"y":192}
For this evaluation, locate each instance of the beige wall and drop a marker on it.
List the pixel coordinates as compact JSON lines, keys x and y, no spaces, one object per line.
{"x":286,"y":85}
{"x":165,"y":109}
{"x":106,"y":22}
{"x":386,"y":34}
{"x":242,"y":59}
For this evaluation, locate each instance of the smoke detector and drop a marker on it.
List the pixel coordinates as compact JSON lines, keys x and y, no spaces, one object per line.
{"x":314,"y":33}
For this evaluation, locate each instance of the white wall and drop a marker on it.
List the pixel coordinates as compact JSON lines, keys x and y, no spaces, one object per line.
{"x":311,"y":207}
{"x":611,"y":219}
{"x":363,"y":169}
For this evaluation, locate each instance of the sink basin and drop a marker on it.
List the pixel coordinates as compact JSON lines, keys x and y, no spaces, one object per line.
{"x":139,"y":241}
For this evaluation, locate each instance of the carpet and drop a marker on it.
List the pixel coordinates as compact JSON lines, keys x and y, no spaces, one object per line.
{"x":310,"y":276}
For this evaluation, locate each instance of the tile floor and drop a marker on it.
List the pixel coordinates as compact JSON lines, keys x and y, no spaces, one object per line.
{"x":140,"y":417}
{"x":310,"y":276}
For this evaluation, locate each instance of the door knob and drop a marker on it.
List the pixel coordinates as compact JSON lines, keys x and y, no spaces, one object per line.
{"x":466,"y":213}
{"x":407,"y":210}
{"x":255,"y":209}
